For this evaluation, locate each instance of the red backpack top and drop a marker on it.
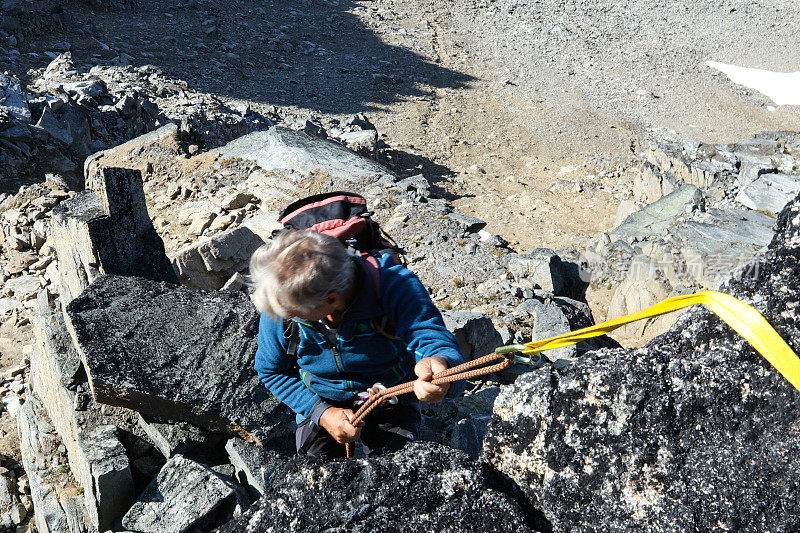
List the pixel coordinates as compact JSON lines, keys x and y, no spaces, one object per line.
{"x":343,"y":215}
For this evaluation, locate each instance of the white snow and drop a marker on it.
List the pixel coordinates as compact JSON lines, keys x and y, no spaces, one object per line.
{"x":783,"y":88}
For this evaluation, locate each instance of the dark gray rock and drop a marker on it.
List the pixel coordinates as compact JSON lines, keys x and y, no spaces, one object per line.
{"x":109,"y":475}
{"x":693,"y":432}
{"x":93,"y":88}
{"x":49,"y":124}
{"x":177,"y":437}
{"x":138,"y":250}
{"x":423,"y":487}
{"x":182,"y":495}
{"x":549,"y":320}
{"x":14,"y":99}
{"x":474,"y":332}
{"x":107,"y":233}
{"x":174,"y":353}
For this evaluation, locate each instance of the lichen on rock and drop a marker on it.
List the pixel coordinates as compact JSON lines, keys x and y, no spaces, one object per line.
{"x":694,"y":431}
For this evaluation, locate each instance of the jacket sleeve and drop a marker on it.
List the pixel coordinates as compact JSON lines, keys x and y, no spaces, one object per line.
{"x":277,"y":371}
{"x":416,"y":319}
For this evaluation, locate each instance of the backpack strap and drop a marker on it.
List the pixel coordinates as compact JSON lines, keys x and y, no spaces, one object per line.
{"x":373,"y":271}
{"x":382,"y":324}
{"x":291,"y":332}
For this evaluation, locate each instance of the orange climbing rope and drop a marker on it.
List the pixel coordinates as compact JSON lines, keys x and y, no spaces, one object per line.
{"x":465,"y":371}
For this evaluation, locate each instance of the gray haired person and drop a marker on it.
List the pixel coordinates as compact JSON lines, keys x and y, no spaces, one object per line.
{"x":328,"y":333}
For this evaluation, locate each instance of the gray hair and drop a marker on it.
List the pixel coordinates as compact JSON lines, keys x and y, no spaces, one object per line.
{"x":297,"y":270}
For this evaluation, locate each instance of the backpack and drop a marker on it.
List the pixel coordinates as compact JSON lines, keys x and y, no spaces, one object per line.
{"x":342,"y":215}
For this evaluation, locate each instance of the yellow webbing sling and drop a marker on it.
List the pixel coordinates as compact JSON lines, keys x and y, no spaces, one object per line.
{"x":743,"y":318}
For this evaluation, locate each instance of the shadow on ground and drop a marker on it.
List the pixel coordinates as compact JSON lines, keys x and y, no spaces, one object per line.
{"x":315,"y":54}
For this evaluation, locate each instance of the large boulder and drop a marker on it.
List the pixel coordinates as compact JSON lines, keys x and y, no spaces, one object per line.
{"x":695,"y":431}
{"x":720,"y":241}
{"x":107,"y":231}
{"x":174,"y":353}
{"x":183,"y":495}
{"x":423,"y":487}
{"x":769,"y":192}
{"x":659,"y":216}
{"x":287,"y":152}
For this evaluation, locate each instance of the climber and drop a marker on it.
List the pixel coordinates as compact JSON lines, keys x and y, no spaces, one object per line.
{"x":325,"y":336}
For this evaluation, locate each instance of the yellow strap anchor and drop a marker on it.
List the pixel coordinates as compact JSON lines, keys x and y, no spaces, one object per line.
{"x":743,"y":318}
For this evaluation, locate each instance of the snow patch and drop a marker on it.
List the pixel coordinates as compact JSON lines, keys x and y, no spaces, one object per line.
{"x":783,"y":88}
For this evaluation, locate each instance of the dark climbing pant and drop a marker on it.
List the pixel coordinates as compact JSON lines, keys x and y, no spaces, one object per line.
{"x":386,"y":429}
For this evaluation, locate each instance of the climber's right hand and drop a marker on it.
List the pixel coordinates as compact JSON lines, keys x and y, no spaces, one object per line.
{"x":337,"y":422}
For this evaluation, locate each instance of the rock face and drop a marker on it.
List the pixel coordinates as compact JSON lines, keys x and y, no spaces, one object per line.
{"x":108,"y":233}
{"x":174,"y":352}
{"x":695,"y":431}
{"x":423,"y":487}
{"x":58,"y":506}
{"x":182,"y":495}
{"x":97,"y":458}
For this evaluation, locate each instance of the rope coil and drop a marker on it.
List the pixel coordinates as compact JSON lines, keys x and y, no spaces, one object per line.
{"x":456,"y":373}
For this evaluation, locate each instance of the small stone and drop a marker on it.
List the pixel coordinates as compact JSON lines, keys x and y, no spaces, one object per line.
{"x":221,"y":222}
{"x":470,"y":224}
{"x":234,"y":200}
{"x":24,"y":287}
{"x":12,"y":404}
{"x":200,"y":222}
{"x":13,"y":372}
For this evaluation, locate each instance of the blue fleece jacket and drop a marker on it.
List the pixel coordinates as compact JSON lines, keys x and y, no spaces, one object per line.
{"x":361,"y":356}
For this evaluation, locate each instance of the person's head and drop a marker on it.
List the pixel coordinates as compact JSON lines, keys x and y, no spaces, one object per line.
{"x":301,"y":274}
